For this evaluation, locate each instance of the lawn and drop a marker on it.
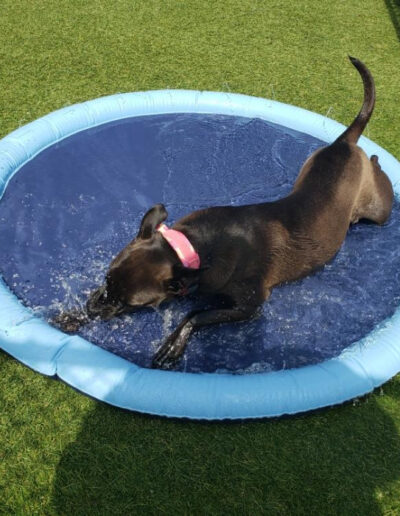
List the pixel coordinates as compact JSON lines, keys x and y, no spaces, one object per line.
{"x":63,"y":453}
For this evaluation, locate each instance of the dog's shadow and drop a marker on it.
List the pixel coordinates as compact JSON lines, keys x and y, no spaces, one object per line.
{"x":393,"y":7}
{"x":343,"y":460}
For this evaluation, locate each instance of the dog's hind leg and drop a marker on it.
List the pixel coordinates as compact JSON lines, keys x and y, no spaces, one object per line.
{"x":376,"y":196}
{"x":380,"y":207}
{"x":384,"y":191}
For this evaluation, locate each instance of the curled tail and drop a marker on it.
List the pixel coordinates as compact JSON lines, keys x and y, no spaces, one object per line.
{"x":354,"y":131}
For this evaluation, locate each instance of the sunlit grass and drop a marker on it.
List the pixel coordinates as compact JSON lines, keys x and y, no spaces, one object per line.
{"x":63,"y":453}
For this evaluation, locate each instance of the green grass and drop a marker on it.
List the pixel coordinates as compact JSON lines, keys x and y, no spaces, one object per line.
{"x":63,"y":453}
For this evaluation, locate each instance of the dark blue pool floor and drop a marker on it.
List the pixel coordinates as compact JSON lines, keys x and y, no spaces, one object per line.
{"x":75,"y":205}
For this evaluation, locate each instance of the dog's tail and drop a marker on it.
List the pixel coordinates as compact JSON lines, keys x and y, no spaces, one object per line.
{"x":354,"y":131}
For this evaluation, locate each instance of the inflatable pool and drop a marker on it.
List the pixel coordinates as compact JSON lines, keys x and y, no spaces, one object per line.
{"x":74,"y":187}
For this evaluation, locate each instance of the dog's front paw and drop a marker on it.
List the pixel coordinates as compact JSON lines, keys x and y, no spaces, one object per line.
{"x":172,"y":349}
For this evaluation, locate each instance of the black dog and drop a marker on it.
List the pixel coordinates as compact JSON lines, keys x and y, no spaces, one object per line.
{"x":246,"y":251}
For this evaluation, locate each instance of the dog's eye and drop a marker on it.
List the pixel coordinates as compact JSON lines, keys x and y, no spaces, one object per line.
{"x":174,"y":286}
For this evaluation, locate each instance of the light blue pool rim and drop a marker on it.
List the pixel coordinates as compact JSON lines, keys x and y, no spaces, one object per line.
{"x":356,"y":371}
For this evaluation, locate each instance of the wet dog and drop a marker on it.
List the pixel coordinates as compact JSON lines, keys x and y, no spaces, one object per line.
{"x":241,"y":253}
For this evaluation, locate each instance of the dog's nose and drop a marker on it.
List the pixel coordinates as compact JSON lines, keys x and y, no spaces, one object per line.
{"x":95,"y":303}
{"x":98,"y":305}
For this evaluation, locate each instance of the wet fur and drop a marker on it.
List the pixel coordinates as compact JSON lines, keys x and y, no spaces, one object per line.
{"x":246,"y":251}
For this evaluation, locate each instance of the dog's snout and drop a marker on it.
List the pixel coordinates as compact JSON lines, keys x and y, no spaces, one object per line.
{"x":99,"y":305}
{"x":95,"y":303}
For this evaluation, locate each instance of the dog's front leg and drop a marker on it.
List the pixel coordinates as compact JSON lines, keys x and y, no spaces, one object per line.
{"x":175,"y":344}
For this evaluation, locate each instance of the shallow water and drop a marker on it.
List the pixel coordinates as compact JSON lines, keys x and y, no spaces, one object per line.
{"x":69,"y":210}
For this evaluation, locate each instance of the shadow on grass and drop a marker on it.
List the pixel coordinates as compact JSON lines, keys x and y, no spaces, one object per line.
{"x":337,"y":461}
{"x":393,"y":6}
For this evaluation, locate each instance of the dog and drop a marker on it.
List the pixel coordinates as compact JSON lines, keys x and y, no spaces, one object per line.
{"x":241,"y":253}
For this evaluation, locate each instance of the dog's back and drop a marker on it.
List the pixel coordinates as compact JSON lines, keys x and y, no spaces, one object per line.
{"x":289,"y":238}
{"x":340,"y":184}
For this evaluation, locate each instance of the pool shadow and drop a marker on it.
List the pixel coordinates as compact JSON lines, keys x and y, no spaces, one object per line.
{"x":335,"y":461}
{"x":393,"y":6}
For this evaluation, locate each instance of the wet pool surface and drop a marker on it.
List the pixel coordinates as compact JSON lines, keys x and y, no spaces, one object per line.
{"x":68,"y":211}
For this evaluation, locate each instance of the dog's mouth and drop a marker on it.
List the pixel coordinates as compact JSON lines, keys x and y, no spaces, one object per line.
{"x":98,"y":305}
{"x":71,"y":321}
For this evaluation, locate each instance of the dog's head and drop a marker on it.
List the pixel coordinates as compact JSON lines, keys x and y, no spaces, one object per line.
{"x":144,"y":274}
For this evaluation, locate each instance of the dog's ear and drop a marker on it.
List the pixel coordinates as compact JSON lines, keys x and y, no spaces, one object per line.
{"x":151,"y":220}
